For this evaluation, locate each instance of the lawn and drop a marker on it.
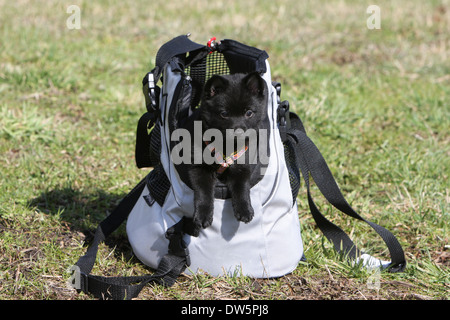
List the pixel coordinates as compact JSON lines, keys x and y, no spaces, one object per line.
{"x":375,"y":101}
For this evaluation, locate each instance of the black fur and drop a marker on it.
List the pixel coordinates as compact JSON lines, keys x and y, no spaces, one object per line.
{"x":235,"y":102}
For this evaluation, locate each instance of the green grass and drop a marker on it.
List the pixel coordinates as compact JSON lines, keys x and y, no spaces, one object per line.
{"x":376,"y":103}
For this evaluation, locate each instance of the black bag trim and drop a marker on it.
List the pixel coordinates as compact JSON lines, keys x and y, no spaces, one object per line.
{"x":242,"y":58}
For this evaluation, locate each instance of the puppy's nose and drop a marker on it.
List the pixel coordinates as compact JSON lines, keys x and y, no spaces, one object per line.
{"x":239,"y":132}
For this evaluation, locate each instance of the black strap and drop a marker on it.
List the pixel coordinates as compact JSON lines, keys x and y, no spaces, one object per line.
{"x":311,"y":162}
{"x":170,"y":267}
{"x":142,"y":152}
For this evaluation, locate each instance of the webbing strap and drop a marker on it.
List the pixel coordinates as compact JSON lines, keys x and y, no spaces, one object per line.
{"x":312,"y":163}
{"x":126,"y":288}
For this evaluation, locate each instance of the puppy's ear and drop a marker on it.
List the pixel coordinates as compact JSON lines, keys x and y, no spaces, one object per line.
{"x":215,"y":85}
{"x":254,"y":83}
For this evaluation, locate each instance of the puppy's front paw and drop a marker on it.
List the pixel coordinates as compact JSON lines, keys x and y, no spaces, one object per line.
{"x":244,"y":214}
{"x":203,"y":218}
{"x":191,"y":228}
{"x":203,"y":221}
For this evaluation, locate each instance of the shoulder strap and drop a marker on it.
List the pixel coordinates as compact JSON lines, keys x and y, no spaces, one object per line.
{"x":312,"y":163}
{"x":170,"y":267}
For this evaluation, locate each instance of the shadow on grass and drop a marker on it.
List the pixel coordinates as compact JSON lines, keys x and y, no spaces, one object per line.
{"x":83,"y":212}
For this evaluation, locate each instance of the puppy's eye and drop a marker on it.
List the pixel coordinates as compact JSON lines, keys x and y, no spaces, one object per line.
{"x":249,"y":114}
{"x":224,"y":114}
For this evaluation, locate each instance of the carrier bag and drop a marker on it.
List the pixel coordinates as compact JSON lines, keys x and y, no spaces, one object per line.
{"x":157,"y":209}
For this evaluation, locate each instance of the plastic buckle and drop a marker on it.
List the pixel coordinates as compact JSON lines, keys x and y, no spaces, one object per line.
{"x":78,"y":279}
{"x":283,"y":110}
{"x":151,"y":90}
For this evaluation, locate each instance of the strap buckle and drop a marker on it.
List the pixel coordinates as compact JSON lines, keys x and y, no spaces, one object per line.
{"x":78,"y":279}
{"x":283,"y":119}
{"x":150,"y":91}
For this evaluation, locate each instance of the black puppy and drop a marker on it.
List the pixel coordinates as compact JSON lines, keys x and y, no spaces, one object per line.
{"x":237,"y":102}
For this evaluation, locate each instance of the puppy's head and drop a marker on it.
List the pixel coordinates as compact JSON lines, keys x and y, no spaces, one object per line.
{"x":237,"y":102}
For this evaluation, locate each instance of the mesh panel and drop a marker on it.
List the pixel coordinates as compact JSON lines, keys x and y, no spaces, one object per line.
{"x":202,"y":70}
{"x":155,"y":143}
{"x":158,"y":184}
{"x":216,"y":64}
{"x":213,"y":63}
